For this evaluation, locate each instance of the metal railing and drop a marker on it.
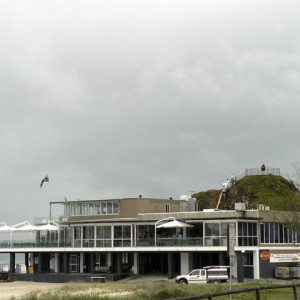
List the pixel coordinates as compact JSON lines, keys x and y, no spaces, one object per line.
{"x":105,"y":243}
{"x":257,"y":291}
{"x":258,"y":171}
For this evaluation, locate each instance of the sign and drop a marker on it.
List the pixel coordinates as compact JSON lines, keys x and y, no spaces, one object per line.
{"x":277,"y":256}
{"x":231,"y":239}
{"x":264,"y":255}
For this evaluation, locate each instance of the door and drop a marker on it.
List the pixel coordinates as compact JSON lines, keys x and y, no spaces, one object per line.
{"x":197,"y":276}
{"x":73,"y":263}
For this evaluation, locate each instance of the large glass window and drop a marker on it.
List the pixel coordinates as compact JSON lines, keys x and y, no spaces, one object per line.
{"x":103,"y":236}
{"x":77,"y":236}
{"x":122,"y":236}
{"x":248,"y":259}
{"x":215,"y":234}
{"x":88,"y":236}
{"x":247,"y":233}
{"x":91,"y":208}
{"x":278,"y":233}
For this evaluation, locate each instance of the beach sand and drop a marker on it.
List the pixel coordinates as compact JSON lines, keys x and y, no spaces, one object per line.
{"x":20,"y":288}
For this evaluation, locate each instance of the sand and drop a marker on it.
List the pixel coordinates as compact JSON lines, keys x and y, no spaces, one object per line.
{"x":20,"y":288}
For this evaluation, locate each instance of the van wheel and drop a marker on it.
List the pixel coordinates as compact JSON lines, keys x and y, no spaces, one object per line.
{"x":183,"y":281}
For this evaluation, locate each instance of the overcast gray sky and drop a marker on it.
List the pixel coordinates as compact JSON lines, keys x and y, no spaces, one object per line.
{"x":118,"y":98}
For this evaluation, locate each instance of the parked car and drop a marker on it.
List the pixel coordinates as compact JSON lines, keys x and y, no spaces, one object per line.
{"x":205,"y":275}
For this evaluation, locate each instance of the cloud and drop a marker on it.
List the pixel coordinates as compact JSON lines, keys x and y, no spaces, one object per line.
{"x":121,"y":98}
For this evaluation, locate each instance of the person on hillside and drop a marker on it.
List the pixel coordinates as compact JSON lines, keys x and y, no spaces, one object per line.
{"x":228,"y":183}
{"x":224,"y":189}
{"x":232,"y":179}
{"x":263,"y":168}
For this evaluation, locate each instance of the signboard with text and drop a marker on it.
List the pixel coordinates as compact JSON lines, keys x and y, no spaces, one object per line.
{"x":277,"y":256}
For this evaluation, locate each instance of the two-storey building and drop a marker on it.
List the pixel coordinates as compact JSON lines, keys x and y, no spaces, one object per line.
{"x":166,"y":236}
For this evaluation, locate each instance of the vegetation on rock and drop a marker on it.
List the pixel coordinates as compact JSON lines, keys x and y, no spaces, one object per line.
{"x":274,"y":191}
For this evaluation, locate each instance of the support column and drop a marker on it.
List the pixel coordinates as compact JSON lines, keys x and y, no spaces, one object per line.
{"x":222,"y":259}
{"x":26,"y":261}
{"x":56,"y":266}
{"x":119,"y":263}
{"x":81,"y":263}
{"x":92,"y":262}
{"x":110,"y":259}
{"x":65,"y":262}
{"x":256,"y":274}
{"x":40,"y":262}
{"x":12,"y":262}
{"x":170,"y":265}
{"x":240,"y":266}
{"x":184,"y":263}
{"x":136,"y":263}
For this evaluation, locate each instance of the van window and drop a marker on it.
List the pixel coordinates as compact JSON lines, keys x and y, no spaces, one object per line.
{"x":194,"y":273}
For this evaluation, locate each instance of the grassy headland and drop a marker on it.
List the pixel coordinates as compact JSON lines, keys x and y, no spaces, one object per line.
{"x":274,"y":191}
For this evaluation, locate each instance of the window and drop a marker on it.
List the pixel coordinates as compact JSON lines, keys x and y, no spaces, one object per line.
{"x":247,"y":233}
{"x":278,"y":233}
{"x":115,"y":207}
{"x":103,"y":236}
{"x":109,"y":208}
{"x":248,"y":259}
{"x":91,"y":208}
{"x":195,"y":273}
{"x":122,"y":236}
{"x":216,"y":234}
{"x":167,"y":207}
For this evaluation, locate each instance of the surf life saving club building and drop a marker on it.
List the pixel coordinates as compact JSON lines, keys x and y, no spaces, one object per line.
{"x":117,"y":237}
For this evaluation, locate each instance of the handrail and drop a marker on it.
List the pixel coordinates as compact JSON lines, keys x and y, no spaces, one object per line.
{"x":257,"y":290}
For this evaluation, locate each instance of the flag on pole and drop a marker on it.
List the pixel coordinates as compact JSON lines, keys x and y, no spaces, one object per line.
{"x":45,"y":179}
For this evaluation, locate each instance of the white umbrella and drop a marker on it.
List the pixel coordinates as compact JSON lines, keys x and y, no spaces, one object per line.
{"x":174,"y":224}
{"x":26,"y":228}
{"x":6,"y":228}
{"x":48,"y":227}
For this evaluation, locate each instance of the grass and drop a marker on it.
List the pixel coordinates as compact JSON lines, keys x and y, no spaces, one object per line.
{"x":154,"y":291}
{"x":273,"y":191}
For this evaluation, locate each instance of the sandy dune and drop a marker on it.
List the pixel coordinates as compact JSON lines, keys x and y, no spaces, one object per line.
{"x":20,"y":288}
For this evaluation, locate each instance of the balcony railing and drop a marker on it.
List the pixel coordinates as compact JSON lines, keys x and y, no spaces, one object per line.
{"x":32,"y":244}
{"x":108,"y":243}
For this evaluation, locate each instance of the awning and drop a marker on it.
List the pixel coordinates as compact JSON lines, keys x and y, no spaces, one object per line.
{"x":6,"y":228}
{"x":174,"y":224}
{"x":26,"y":228}
{"x":48,"y":227}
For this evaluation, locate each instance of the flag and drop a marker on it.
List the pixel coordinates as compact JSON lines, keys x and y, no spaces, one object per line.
{"x":45,"y":179}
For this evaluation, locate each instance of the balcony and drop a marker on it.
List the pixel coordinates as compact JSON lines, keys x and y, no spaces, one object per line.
{"x":119,"y":243}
